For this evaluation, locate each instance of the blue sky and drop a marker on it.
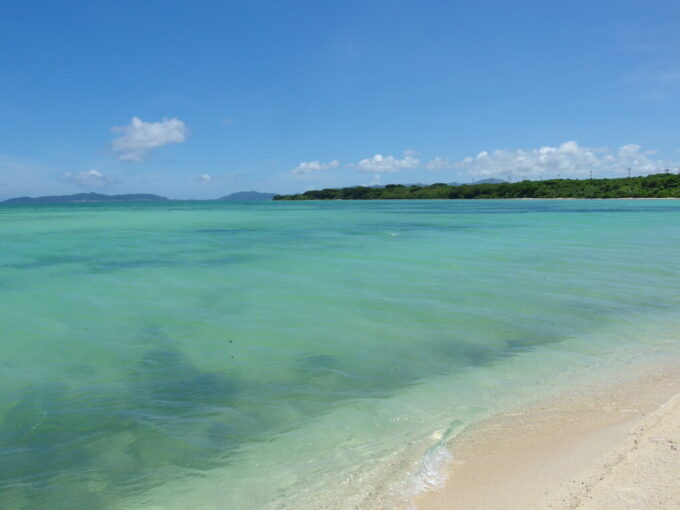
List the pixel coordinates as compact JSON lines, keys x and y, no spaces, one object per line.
{"x":200,"y":99}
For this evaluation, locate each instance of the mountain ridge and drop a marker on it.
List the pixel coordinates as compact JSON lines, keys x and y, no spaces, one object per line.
{"x":79,"y":198}
{"x":249,"y":195}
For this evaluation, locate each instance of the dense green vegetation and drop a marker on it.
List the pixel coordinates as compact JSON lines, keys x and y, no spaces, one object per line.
{"x":651,"y":186}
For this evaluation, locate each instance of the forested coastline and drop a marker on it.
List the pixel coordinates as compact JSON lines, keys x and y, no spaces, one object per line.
{"x":650,"y":186}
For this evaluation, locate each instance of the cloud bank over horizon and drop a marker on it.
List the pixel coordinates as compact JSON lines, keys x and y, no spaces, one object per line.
{"x":87,"y":179}
{"x":566,"y":160}
{"x":569,"y":160}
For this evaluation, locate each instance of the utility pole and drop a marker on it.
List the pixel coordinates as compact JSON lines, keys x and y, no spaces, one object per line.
{"x":591,"y":174}
{"x":630,"y":186}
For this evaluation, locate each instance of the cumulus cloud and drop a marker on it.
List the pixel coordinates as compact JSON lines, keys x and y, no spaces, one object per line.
{"x":307,"y":167}
{"x":139,"y":137}
{"x":630,"y":156}
{"x":87,"y":178}
{"x":567,"y":159}
{"x":205,"y":178}
{"x":441,"y":164}
{"x":386,"y":164}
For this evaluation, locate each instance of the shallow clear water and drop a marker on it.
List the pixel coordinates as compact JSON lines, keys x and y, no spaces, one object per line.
{"x":302,"y":354}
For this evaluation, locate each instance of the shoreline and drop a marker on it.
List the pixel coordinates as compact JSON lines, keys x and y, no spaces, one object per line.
{"x":614,"y":446}
{"x":460,"y":199}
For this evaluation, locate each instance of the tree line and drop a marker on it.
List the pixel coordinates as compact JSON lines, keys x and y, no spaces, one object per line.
{"x":650,"y":186}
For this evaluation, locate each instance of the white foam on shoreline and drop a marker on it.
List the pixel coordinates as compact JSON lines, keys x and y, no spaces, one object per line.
{"x":430,"y":473}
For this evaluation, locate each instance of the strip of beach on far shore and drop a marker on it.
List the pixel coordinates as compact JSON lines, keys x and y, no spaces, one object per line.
{"x":610,"y":447}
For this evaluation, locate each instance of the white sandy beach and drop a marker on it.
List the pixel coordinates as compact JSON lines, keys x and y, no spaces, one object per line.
{"x":610,"y":448}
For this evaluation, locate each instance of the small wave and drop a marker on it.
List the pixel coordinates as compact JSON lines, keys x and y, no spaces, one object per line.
{"x":430,"y":472}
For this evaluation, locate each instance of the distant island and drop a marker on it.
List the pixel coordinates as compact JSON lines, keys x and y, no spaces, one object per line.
{"x":79,"y":198}
{"x":651,"y":186}
{"x":249,"y":195}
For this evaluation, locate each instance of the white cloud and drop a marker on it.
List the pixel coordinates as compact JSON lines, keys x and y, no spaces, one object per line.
{"x":139,"y":137}
{"x":307,"y":167}
{"x":386,"y":164}
{"x":441,"y":164}
{"x":629,"y":156}
{"x":87,"y":178}
{"x":566,"y":160}
{"x":205,"y":178}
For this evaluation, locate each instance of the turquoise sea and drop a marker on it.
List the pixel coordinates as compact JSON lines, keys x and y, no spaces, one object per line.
{"x":304,"y":355}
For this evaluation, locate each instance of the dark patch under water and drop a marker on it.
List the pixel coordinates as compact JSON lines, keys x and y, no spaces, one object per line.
{"x":89,"y":448}
{"x":56,"y":438}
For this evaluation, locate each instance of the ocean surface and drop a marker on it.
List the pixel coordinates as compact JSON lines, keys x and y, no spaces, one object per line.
{"x":304,"y":355}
